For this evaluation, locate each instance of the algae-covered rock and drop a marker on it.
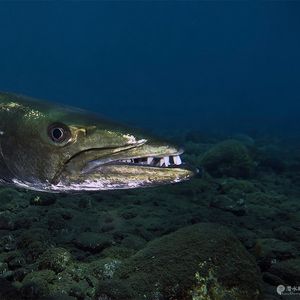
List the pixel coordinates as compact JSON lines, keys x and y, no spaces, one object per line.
{"x":237,"y":207}
{"x":92,"y":241}
{"x":8,"y":291}
{"x":270,"y":249}
{"x":288,"y":270}
{"x":237,"y":187}
{"x":104,"y":269}
{"x":244,"y":139}
{"x":286,"y":233}
{"x":203,"y":261}
{"x":6,"y":222}
{"x":58,"y":296}
{"x":32,"y":236}
{"x":56,"y":259}
{"x":228,"y":158}
{"x":42,"y":199}
{"x":36,"y":284}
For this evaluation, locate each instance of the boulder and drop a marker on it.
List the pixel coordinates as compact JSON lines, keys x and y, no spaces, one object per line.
{"x":288,"y":270}
{"x":56,"y":259}
{"x":92,"y":241}
{"x":229,"y":158}
{"x":269,"y":250}
{"x":203,"y":261}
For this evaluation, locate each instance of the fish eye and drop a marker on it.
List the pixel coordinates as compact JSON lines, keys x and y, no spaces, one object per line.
{"x":59,"y":132}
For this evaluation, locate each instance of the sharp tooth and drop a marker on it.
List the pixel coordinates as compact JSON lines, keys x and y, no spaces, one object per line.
{"x":128,"y":160}
{"x":149,"y":160}
{"x":167,"y":160}
{"x":161,"y":162}
{"x":177,"y":160}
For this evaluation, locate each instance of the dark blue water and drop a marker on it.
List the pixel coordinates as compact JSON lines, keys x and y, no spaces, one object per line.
{"x":232,"y":65}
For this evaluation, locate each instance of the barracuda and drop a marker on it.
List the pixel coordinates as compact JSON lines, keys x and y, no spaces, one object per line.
{"x":53,"y":148}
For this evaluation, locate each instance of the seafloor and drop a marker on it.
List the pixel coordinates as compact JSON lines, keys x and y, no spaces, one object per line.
{"x":230,"y":233}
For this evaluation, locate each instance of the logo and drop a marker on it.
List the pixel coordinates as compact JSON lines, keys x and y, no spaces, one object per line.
{"x":288,"y":290}
{"x":280,"y":289}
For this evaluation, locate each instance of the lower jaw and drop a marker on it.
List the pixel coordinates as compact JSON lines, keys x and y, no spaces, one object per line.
{"x":141,"y":174}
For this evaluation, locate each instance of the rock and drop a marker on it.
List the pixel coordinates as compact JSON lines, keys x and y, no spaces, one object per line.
{"x":43,"y":200}
{"x":3,"y":268}
{"x":107,"y":227}
{"x":57,"y":220}
{"x":127,"y":215}
{"x":272,"y":163}
{"x":105,"y":268}
{"x":20,"y":273}
{"x":271,"y":158}
{"x":237,"y":207}
{"x":286,"y":233}
{"x":236,"y":187}
{"x":272,"y":279}
{"x":118,"y":252}
{"x":269,"y":250}
{"x":8,"y":291}
{"x":270,"y":293}
{"x":247,"y":237}
{"x":9,"y":194}
{"x":203,"y":261}
{"x":58,"y":296}
{"x":36,"y":284}
{"x":77,"y":292}
{"x":108,"y":219}
{"x":246,"y":140}
{"x":93,"y":242}
{"x":288,"y":270}
{"x":23,"y":222}
{"x":8,"y":275}
{"x":34,"y":250}
{"x":56,"y":259}
{"x":12,"y":200}
{"x":6,"y":222}
{"x":228,"y":158}
{"x":16,"y":261}
{"x":31,"y":236}
{"x":8,"y":242}
{"x":85,"y":203}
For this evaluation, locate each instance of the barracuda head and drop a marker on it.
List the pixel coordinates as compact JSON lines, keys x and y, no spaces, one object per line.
{"x":58,"y":149}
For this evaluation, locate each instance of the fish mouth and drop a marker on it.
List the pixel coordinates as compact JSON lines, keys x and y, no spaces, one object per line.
{"x":139,"y":165}
{"x":150,"y":161}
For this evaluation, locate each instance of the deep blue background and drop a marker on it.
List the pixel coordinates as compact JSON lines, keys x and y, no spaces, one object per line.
{"x":202,"y":65}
